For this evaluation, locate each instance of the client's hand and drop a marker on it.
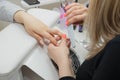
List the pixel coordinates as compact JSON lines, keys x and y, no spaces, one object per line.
{"x":36,"y":28}
{"x":76,"y":13}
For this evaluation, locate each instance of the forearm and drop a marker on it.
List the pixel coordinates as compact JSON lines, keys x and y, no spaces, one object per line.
{"x":65,"y":69}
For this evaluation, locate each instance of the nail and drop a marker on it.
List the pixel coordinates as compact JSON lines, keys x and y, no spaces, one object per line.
{"x":64,"y":15}
{"x":64,"y":36}
{"x":41,"y":42}
{"x":66,"y":23}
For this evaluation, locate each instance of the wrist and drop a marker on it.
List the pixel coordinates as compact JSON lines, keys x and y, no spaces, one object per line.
{"x":64,"y":62}
{"x":65,"y":69}
{"x":20,"y":16}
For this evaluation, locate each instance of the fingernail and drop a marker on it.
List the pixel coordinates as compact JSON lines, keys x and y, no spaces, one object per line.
{"x":64,"y":15}
{"x":57,"y":44}
{"x":66,"y":8}
{"x":64,"y":36}
{"x":66,"y":23}
{"x":41,"y":42}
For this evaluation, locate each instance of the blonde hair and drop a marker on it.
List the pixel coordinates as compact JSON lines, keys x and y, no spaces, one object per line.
{"x":103,"y":21}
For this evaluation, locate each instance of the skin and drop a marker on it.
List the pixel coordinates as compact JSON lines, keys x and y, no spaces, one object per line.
{"x":76,"y":13}
{"x":36,"y":28}
{"x":60,"y":54}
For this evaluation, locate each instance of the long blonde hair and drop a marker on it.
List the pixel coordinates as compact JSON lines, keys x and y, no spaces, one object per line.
{"x":103,"y":22}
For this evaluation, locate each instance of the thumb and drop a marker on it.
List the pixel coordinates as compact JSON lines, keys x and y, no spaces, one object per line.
{"x":51,"y":46}
{"x":63,"y":42}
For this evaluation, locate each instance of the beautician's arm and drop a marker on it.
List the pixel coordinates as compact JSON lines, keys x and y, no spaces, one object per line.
{"x":60,"y":55}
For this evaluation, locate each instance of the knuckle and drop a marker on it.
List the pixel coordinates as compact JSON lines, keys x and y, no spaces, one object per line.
{"x":75,"y":7}
{"x":77,"y":4}
{"x":85,"y":9}
{"x":75,"y":18}
{"x":49,"y":37}
{"x":55,"y":31}
{"x":37,"y":38}
{"x":74,"y":12}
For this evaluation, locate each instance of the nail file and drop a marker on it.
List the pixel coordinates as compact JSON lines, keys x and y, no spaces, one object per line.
{"x":71,"y":35}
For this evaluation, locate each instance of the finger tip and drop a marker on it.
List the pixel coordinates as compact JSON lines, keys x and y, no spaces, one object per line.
{"x":41,"y":42}
{"x":65,"y":15}
{"x":67,"y":7}
{"x":64,"y":36}
{"x":66,"y":23}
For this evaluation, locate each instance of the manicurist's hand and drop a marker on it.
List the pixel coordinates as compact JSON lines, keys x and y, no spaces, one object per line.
{"x":36,"y":28}
{"x":76,"y":13}
{"x":60,"y":55}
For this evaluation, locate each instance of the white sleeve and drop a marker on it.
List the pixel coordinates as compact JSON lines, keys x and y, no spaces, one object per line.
{"x":7,"y":10}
